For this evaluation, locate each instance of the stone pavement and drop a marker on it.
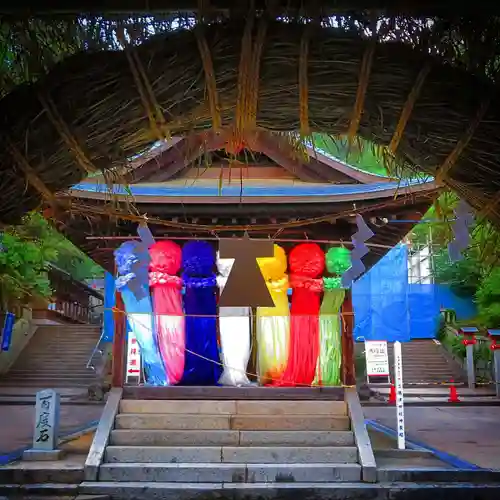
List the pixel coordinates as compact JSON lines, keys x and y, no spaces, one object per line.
{"x":16,"y":422}
{"x":436,"y":396}
{"x":470,"y":433}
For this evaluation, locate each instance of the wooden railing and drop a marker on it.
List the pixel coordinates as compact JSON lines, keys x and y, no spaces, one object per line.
{"x":73,"y":300}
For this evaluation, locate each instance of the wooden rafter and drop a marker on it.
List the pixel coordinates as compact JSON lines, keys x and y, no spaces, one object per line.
{"x":182,"y":153}
{"x":171,"y":161}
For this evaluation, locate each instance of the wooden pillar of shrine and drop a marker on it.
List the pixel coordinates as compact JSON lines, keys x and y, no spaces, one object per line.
{"x":118,"y":352}
{"x":348,"y":370}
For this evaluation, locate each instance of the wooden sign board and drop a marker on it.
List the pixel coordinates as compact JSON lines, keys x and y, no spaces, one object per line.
{"x":245,"y":287}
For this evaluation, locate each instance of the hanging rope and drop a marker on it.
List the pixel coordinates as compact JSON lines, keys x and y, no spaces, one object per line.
{"x":153,"y":110}
{"x":248,"y":81}
{"x":111,"y":212}
{"x":210,"y":82}
{"x":305,"y":130}
{"x":364,"y":78}
{"x":408,"y":108}
{"x":70,"y":141}
{"x":31,"y":176}
{"x":443,"y":171}
{"x":116,"y":310}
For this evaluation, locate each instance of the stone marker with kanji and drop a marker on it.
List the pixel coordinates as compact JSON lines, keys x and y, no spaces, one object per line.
{"x":245,"y":287}
{"x":46,"y":427}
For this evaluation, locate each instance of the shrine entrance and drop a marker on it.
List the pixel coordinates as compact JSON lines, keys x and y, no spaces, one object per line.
{"x":218,"y":140}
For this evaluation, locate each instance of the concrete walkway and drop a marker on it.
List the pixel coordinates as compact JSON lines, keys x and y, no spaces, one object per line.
{"x":437,"y":396}
{"x":470,"y":433}
{"x":16,"y":422}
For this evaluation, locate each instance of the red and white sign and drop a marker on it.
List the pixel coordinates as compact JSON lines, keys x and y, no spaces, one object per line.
{"x":377,"y":359}
{"x":133,"y":358}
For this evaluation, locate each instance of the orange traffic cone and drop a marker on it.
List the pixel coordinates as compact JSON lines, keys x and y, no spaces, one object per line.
{"x":392,"y":395}
{"x":453,"y":393}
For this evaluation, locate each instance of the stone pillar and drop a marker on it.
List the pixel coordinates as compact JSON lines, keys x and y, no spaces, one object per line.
{"x":46,"y":428}
{"x":469,"y":342}
{"x":495,"y":347}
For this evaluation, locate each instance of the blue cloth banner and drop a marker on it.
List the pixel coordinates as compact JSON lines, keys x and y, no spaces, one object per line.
{"x":109,"y":303}
{"x":8,"y":327}
{"x":132,"y":260}
{"x":202,"y":365}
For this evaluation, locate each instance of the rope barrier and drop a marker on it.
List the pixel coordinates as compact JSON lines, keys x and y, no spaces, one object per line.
{"x":94,"y":210}
{"x":218,"y":363}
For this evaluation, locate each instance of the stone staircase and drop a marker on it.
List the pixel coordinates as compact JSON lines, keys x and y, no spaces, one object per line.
{"x":425,"y":362}
{"x":55,"y":357}
{"x":214,"y":441}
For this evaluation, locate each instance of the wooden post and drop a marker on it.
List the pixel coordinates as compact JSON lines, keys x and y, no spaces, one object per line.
{"x":348,"y":370}
{"x":118,"y":353}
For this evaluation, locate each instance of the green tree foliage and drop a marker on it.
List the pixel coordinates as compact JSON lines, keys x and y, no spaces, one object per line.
{"x":23,"y":269}
{"x":27,"y":250}
{"x":477,"y":275}
{"x":488,"y":299}
{"x":361,"y":153}
{"x":464,"y":276}
{"x":62,"y":252}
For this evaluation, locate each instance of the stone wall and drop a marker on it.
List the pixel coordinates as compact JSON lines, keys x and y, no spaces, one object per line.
{"x":23,"y":330}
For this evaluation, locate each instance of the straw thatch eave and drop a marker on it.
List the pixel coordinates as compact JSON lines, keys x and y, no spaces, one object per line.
{"x":87,"y":113}
{"x":427,"y":7}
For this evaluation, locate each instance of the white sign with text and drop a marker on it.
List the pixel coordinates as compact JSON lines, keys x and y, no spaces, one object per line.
{"x":377,"y":360}
{"x":133,"y":358}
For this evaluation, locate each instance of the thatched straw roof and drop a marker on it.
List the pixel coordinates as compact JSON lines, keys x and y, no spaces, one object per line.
{"x":427,"y":7}
{"x":91,"y":113}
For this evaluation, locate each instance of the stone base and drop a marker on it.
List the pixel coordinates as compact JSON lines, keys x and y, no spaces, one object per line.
{"x":33,"y":455}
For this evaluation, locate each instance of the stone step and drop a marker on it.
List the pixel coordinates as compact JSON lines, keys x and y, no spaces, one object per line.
{"x":70,"y":351}
{"x":59,"y":372}
{"x":135,"y":437}
{"x":42,"y":363}
{"x":44,"y":376}
{"x":50,"y":384}
{"x":231,"y":454}
{"x":37,"y":472}
{"x":215,"y":407}
{"x":230,"y":473}
{"x":227,"y":422}
{"x":425,"y":363}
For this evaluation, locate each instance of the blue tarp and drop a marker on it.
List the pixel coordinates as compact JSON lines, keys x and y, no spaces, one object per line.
{"x":380,"y":299}
{"x":465,"y":308}
{"x":423,"y":311}
{"x":386,"y":307}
